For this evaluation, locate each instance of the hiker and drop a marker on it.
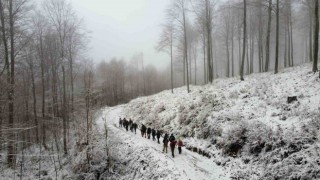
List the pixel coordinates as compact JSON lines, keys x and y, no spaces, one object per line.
{"x":159,"y":133}
{"x":172,"y":146}
{"x":120,"y":122}
{"x":149,"y":132}
{"x":165,"y":143}
{"x":180,"y":144}
{"x":134,"y":125}
{"x":130,"y":124}
{"x":153,"y":132}
{"x":143,"y":130}
{"x":131,"y":128}
{"x":126,"y":124}
{"x":172,"y":138}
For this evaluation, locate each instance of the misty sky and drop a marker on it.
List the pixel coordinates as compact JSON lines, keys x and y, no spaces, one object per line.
{"x":120,"y":28}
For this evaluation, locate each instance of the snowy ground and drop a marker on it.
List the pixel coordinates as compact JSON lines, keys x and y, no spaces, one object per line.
{"x":144,"y":159}
{"x":247,"y":126}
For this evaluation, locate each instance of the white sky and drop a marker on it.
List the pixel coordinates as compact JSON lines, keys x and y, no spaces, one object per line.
{"x":120,"y":28}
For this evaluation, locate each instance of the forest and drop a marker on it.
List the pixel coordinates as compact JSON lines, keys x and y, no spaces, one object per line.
{"x":50,"y":88}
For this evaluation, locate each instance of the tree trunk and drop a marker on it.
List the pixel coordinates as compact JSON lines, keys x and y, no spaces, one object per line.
{"x":209,"y":43}
{"x":316,"y":37}
{"x":11,"y":153}
{"x":204,"y":59}
{"x":285,"y":49}
{"x":310,"y":35}
{"x":244,"y":38}
{"x":268,"y":36}
{"x":171,"y":57}
{"x":291,"y":35}
{"x":43,"y":107}
{"x":34,"y":101}
{"x":277,"y":40}
{"x":228,"y":54}
{"x":185,"y":46}
{"x":195,"y":65}
{"x":232,"y":49}
{"x":65,"y":112}
{"x":260,"y":38}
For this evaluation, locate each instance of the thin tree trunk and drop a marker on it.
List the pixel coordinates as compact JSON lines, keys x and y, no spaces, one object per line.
{"x":232,"y":49}
{"x":209,"y":43}
{"x":65,"y":111}
{"x":43,"y":107}
{"x":34,"y":101}
{"x":11,"y":154}
{"x":1,"y":122}
{"x":285,"y":49}
{"x":268,"y":36}
{"x":316,"y":37}
{"x":260,"y":38}
{"x":251,"y":50}
{"x":204,"y":59}
{"x":244,"y":38}
{"x":310,"y":36}
{"x":195,"y":65}
{"x":277,"y":40}
{"x":186,"y":46}
{"x":291,"y":35}
{"x":228,"y":54}
{"x":171,"y":57}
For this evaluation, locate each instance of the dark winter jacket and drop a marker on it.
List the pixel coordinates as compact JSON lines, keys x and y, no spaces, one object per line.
{"x":149,"y":131}
{"x":172,"y":138}
{"x":158,"y":134}
{"x":153,"y":132}
{"x":134,"y":125}
{"x":143,"y":128}
{"x":165,"y":141}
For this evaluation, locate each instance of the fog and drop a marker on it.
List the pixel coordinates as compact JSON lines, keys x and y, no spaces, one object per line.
{"x":121,"y":28}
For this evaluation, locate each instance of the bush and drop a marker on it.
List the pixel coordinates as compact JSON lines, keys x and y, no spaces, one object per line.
{"x":234,"y":139}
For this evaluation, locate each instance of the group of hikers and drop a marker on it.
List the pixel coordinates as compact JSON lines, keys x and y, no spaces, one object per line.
{"x":156,"y":134}
{"x":128,"y":124}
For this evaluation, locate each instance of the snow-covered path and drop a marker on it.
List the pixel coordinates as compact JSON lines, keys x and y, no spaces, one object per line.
{"x":143,"y":158}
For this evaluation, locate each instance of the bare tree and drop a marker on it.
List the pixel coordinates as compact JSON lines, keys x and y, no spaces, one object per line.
{"x":268,"y":36}
{"x":244,"y":38}
{"x":166,"y":43}
{"x":277,"y":39}
{"x":316,"y":36}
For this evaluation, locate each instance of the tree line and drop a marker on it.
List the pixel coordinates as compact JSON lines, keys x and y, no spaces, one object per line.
{"x":207,"y":39}
{"x":42,"y":68}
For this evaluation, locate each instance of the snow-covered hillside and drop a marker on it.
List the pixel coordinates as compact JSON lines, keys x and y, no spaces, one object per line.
{"x":248,"y":127}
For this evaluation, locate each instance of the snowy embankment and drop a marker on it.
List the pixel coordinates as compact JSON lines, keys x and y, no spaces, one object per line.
{"x":134,"y":157}
{"x":247,"y":127}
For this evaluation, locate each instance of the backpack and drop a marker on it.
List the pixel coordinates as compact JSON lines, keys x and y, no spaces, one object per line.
{"x":165,"y":141}
{"x":172,"y":138}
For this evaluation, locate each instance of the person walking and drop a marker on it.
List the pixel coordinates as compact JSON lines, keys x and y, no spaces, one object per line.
{"x":120,"y":122}
{"x":130,"y":125}
{"x":159,"y":133}
{"x":134,"y":125}
{"x":180,"y":144}
{"x":126,"y":124}
{"x":153,"y":132}
{"x":149,"y":132}
{"x":172,"y":146}
{"x":165,"y":143}
{"x":172,"y":138}
{"x":143,"y":130}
